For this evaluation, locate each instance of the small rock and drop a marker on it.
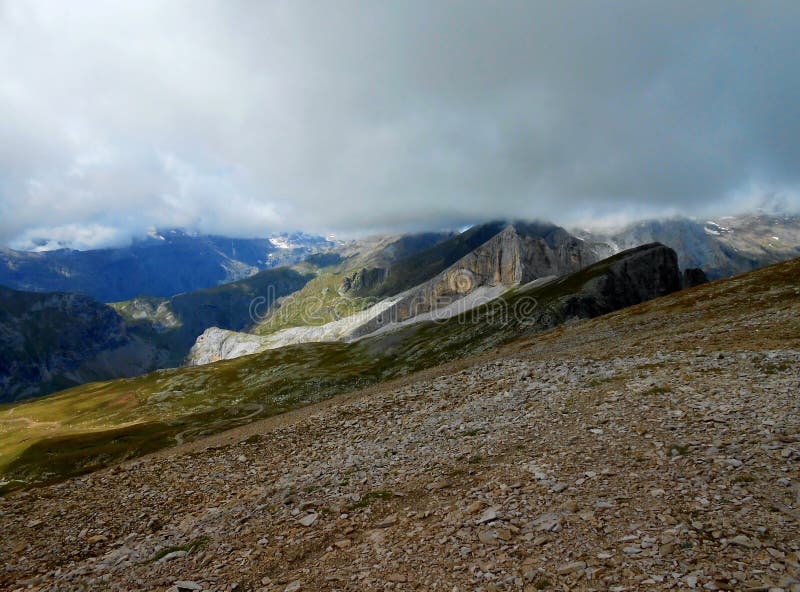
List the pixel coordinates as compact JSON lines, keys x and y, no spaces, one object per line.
{"x":294,"y":586}
{"x":547,"y":522}
{"x":438,"y":484}
{"x":742,"y":541}
{"x":187,"y":585}
{"x":387,"y":522}
{"x":489,"y":515}
{"x":631,"y":550}
{"x":308,"y":519}
{"x":571,"y":567}
{"x":173,"y":555}
{"x":397,"y":577}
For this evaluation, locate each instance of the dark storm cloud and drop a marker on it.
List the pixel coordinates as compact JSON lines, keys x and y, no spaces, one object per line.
{"x":245,"y":117}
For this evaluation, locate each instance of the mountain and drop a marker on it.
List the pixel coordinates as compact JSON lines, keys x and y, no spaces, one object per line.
{"x":730,"y":245}
{"x":45,"y":352}
{"x":324,"y":299}
{"x":652,"y":448}
{"x":52,"y":341}
{"x":149,"y":412}
{"x":377,"y":292}
{"x":161,"y":265}
{"x":174,"y":323}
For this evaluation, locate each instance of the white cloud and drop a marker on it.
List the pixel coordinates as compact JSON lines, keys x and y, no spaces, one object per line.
{"x":241,"y":118}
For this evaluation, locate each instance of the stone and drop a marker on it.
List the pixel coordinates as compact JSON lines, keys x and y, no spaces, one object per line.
{"x":187,"y":585}
{"x":174,"y":555}
{"x":397,"y":578}
{"x":438,"y":484}
{"x":308,"y":519}
{"x":546,"y":522}
{"x":742,"y":541}
{"x":569,"y":568}
{"x":489,"y":515}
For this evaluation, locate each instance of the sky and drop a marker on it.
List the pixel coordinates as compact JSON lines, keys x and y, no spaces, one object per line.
{"x":244,"y":118}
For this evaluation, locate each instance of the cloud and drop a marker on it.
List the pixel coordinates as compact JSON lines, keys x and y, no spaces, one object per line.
{"x":242,"y":118}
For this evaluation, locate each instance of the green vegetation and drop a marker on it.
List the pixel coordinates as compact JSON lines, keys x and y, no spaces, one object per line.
{"x":744,"y":478}
{"x":370,"y":497}
{"x":656,"y":390}
{"x":316,"y":303}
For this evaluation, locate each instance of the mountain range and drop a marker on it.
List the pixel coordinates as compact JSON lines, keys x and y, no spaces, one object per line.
{"x":137,"y":415}
{"x":332,"y":292}
{"x":163,"y":264}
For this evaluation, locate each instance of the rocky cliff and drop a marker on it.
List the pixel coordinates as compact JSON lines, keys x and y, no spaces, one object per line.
{"x":626,"y":279}
{"x":518,"y":254}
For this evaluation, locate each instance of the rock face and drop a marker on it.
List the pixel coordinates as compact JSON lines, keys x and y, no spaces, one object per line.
{"x":693,"y":277}
{"x":629,"y":278}
{"x":518,"y":254}
{"x":56,"y":340}
{"x":220,"y":344}
{"x":363,"y":280}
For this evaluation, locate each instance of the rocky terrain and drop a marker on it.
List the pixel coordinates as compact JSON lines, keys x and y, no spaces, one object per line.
{"x":655,"y":448}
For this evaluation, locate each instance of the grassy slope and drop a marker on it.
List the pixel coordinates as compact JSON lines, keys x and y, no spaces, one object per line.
{"x":316,"y":303}
{"x":97,"y":424}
